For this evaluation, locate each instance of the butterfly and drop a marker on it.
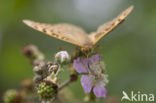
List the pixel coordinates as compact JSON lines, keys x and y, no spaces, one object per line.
{"x":76,"y":35}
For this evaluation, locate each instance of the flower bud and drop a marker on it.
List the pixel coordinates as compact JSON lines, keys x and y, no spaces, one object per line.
{"x":38,"y":70}
{"x":11,"y":96}
{"x":27,"y":85}
{"x":41,"y":69}
{"x":62,"y":57}
{"x":52,"y":67}
{"x":73,"y":77}
{"x":37,"y":79}
{"x":47,"y":90}
{"x":33,"y":54}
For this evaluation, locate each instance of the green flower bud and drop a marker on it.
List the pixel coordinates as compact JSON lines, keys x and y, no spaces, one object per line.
{"x":47,"y":90}
{"x":62,"y":57}
{"x":10,"y":96}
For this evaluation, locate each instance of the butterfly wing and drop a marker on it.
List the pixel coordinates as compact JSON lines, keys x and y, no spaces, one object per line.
{"x":66,"y":32}
{"x":109,"y":26}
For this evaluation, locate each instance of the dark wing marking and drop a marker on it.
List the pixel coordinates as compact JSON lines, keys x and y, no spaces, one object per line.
{"x":66,"y":32}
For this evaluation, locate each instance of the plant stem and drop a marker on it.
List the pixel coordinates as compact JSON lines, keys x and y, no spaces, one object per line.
{"x":53,"y":99}
{"x":59,"y":71}
{"x":66,"y":83}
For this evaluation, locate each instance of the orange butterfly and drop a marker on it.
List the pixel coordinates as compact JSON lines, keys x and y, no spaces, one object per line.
{"x":76,"y":35}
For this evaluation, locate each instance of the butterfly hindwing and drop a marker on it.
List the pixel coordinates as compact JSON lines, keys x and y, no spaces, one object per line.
{"x":109,"y":26}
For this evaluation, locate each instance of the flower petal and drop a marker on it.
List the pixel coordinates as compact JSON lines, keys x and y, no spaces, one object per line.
{"x":87,"y":83}
{"x":95,"y":57}
{"x":80,"y":64}
{"x":99,"y":90}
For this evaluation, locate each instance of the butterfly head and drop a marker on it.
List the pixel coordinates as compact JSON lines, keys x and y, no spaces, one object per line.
{"x":88,"y":46}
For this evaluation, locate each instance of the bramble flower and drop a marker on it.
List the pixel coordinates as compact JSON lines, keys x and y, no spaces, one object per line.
{"x":94,"y":78}
{"x":62,"y":57}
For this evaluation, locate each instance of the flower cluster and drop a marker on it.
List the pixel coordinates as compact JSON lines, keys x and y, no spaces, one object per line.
{"x":94,"y":77}
{"x":46,"y":76}
{"x":43,"y":70}
{"x":21,"y":95}
{"x":47,"y":90}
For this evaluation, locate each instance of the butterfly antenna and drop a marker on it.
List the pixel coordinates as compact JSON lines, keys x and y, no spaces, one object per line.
{"x":61,"y":48}
{"x":64,"y":48}
{"x":99,"y":47}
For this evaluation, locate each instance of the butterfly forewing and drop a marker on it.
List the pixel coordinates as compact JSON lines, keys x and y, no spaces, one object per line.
{"x":109,"y":26}
{"x":75,"y":35}
{"x":66,"y":32}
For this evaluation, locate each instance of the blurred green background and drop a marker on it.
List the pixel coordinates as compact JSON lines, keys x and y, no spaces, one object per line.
{"x":129,"y":51}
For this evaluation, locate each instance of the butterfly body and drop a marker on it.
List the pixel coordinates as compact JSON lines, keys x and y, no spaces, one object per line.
{"x":76,"y":35}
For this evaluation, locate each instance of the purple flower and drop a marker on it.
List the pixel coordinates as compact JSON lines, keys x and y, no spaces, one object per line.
{"x":94,"y":79}
{"x":81,"y":65}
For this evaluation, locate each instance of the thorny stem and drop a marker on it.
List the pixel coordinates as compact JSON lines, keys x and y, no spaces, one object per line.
{"x":66,"y":83}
